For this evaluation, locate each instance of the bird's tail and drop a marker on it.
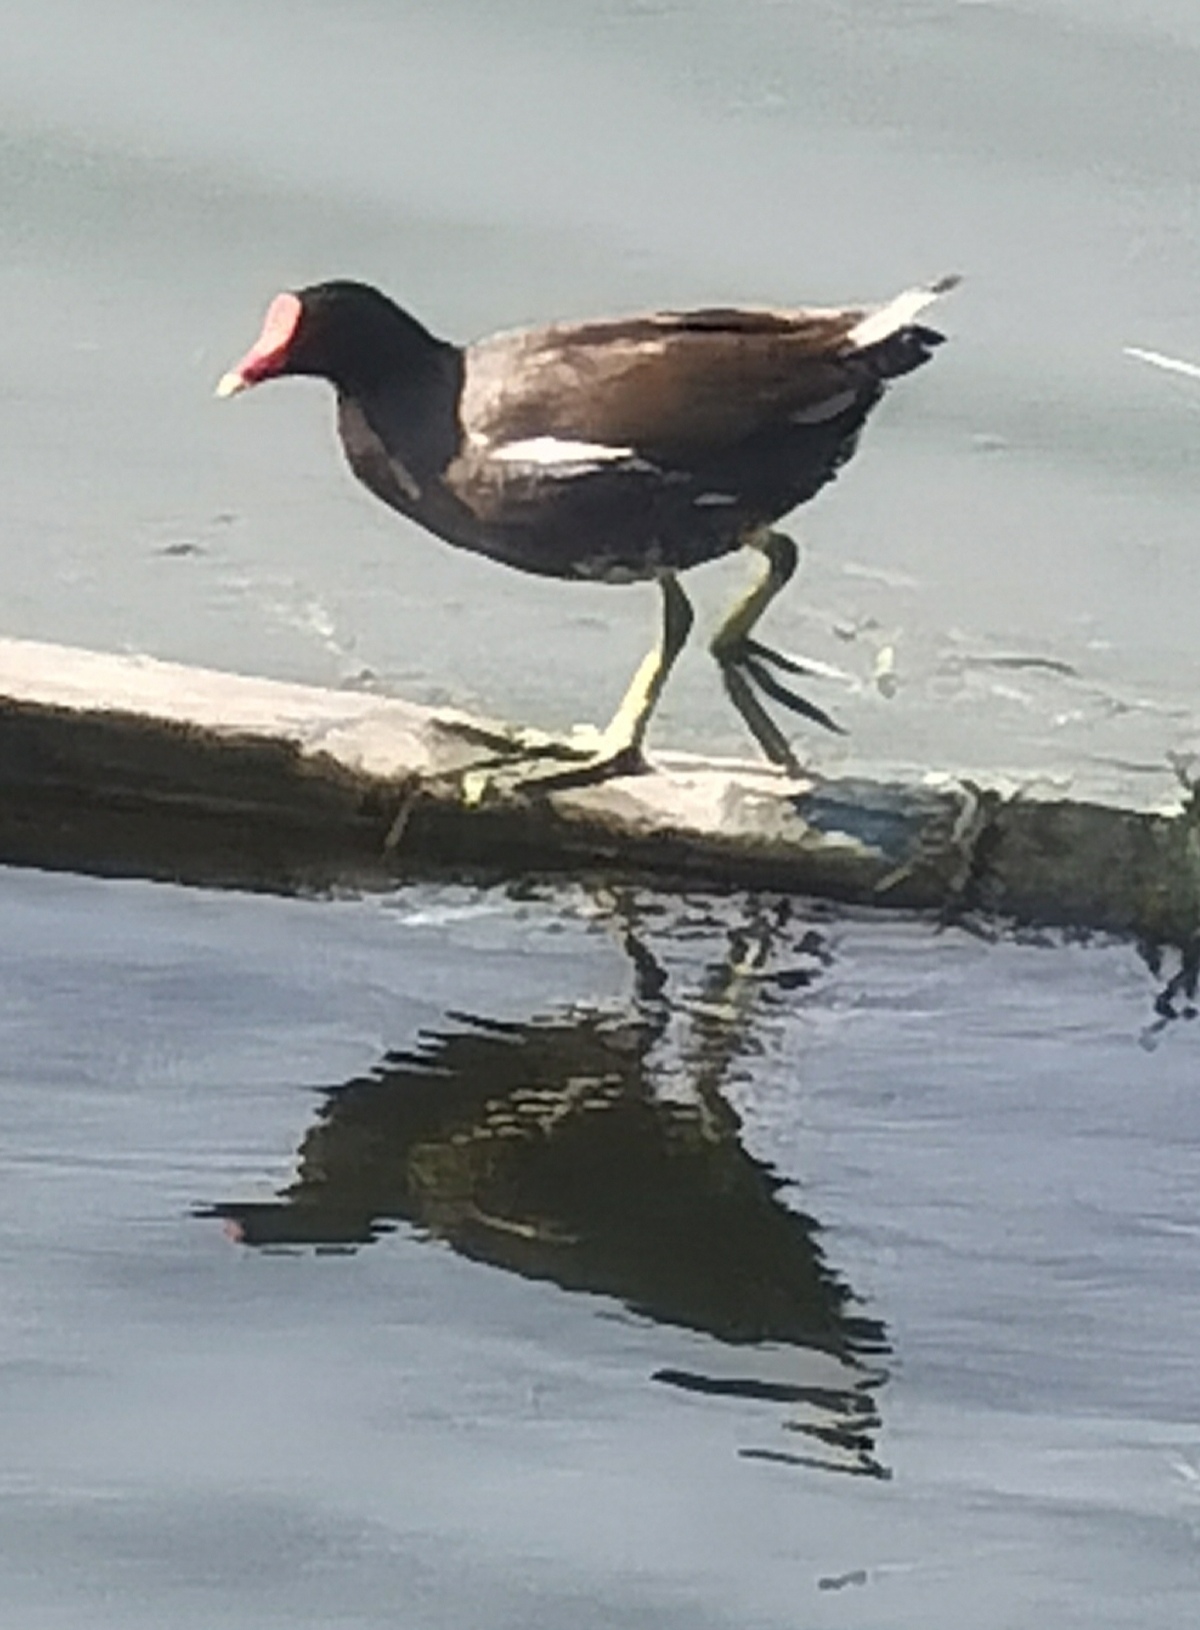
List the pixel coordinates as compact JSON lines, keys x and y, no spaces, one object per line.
{"x":896,"y":343}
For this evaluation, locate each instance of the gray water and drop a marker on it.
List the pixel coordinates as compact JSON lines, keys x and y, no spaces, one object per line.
{"x":508,"y":1258}
{"x":166,"y":167}
{"x":422,"y":1260}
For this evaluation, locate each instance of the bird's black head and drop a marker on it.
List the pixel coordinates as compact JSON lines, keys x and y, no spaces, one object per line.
{"x":346,"y":332}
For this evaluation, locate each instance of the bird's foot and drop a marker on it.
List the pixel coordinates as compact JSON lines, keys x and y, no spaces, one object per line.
{"x":534,"y":777}
{"x":510,"y":741}
{"x":746,"y":664}
{"x":522,"y":762}
{"x":757,"y":661}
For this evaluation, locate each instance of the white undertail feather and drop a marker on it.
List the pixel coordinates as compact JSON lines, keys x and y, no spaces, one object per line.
{"x":1156,"y":359}
{"x":898,"y":313}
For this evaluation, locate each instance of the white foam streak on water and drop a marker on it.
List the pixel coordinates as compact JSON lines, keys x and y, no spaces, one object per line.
{"x":1172,"y":365}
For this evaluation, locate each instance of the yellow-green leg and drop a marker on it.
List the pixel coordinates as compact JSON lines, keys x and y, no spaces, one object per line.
{"x":626,"y":730}
{"x":744,"y":662}
{"x":617,"y":750}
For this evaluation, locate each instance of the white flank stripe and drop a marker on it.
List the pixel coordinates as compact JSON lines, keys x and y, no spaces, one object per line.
{"x":898,"y":313}
{"x":550,"y":450}
{"x":1173,"y":365}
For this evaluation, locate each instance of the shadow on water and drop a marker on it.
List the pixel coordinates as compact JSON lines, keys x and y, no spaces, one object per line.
{"x":599,"y":1150}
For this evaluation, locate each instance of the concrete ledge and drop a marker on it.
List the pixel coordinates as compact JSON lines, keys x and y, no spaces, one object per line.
{"x":125,"y":765}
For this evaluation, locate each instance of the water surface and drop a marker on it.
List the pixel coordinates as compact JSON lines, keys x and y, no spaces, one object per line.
{"x":474,"y":1260}
{"x":459,"y":1258}
{"x":164,"y":168}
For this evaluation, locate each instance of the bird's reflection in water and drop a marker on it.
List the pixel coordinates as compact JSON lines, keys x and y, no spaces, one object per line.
{"x":597,"y":1149}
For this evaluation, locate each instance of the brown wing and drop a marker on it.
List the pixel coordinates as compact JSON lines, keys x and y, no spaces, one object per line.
{"x":672,"y":384}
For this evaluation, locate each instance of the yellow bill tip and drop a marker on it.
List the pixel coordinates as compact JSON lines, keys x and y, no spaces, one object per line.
{"x":231,"y":383}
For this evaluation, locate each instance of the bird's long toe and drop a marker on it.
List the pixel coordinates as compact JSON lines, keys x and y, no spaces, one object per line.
{"x":498,"y":780}
{"x":746,"y":663}
{"x":507,"y":742}
{"x":757,"y":662}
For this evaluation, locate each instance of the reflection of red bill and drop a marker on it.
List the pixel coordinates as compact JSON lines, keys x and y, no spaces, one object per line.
{"x":269,"y":351}
{"x":231,"y":1228}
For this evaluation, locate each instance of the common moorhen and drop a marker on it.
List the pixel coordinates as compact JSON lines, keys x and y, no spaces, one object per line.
{"x":610,"y":451}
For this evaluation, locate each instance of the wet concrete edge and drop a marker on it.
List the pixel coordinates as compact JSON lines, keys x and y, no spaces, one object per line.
{"x":126,"y":766}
